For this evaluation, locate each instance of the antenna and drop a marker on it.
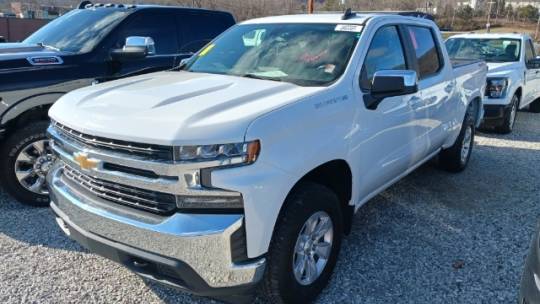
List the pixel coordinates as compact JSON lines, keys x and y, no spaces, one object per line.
{"x":347,"y":14}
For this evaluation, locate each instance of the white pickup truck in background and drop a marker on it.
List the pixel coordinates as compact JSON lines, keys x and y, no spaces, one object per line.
{"x":244,"y":167}
{"x":514,"y":74}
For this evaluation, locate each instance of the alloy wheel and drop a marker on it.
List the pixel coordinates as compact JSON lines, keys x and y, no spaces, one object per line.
{"x":32,"y":165}
{"x":313,"y":248}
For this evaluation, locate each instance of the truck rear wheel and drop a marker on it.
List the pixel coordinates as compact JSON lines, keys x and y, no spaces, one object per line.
{"x":25,"y":159}
{"x":305,"y":245}
{"x":456,"y":158}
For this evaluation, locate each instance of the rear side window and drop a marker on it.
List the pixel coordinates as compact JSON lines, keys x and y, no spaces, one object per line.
{"x":197,"y":29}
{"x":426,"y":50}
{"x":529,"y":51}
{"x":385,"y":53}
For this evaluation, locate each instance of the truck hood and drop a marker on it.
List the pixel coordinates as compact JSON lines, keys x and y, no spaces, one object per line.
{"x":502,"y":68}
{"x":174,"y":108}
{"x":15,"y":55}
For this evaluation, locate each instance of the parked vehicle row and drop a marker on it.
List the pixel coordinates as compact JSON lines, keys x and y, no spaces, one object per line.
{"x":93,"y":44}
{"x":221,"y":165}
{"x":243,"y":167}
{"x":513,"y":78}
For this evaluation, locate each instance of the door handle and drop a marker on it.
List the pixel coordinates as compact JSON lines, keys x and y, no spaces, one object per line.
{"x":448,"y":89}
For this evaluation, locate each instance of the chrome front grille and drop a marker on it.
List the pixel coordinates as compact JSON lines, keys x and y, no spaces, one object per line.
{"x":152,"y":152}
{"x":152,"y":201}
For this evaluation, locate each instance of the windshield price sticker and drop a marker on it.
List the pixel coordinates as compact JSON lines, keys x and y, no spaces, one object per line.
{"x":206,"y":50}
{"x":348,"y":28}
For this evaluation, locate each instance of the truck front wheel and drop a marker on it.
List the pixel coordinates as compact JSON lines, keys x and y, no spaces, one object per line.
{"x":305,"y":245}
{"x":510,"y":115}
{"x":25,"y":159}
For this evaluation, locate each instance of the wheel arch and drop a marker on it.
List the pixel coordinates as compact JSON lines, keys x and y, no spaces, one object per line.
{"x":32,"y":107}
{"x":519,"y":93}
{"x":337,"y":176}
{"x":478,"y":109}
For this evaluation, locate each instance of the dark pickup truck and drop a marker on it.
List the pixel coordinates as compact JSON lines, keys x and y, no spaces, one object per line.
{"x":91,"y":44}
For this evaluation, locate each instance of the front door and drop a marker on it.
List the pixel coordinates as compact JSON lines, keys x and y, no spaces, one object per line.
{"x":158,"y":25}
{"x":383,"y":148}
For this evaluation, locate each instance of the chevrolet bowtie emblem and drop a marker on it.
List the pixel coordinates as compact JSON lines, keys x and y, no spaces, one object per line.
{"x":84,"y":162}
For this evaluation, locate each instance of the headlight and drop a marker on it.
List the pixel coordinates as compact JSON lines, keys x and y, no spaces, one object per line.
{"x":227,"y":154}
{"x":496,"y":87}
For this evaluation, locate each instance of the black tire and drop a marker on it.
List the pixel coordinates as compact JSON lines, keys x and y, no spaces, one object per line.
{"x":279,"y":284}
{"x":509,"y":119}
{"x":9,"y":151}
{"x":451,"y":158}
{"x":535,"y":106}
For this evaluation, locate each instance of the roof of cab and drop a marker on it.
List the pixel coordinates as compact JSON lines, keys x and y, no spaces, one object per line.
{"x":332,"y":18}
{"x":490,"y":35}
{"x":136,"y":7}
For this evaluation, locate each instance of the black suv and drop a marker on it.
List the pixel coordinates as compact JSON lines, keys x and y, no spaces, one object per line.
{"x":92,"y":44}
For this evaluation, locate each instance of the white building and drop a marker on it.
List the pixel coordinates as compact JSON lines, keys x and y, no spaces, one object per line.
{"x":474,"y":4}
{"x":523,"y":3}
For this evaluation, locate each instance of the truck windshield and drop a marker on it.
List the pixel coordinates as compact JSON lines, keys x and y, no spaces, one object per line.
{"x":303,"y":54}
{"x":78,"y":31}
{"x":489,"y":50}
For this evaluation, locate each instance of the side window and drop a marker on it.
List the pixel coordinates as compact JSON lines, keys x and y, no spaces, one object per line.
{"x":529,"y":51}
{"x":385,"y":53}
{"x":159,"y":26}
{"x":426,"y":50}
{"x":197,"y":29}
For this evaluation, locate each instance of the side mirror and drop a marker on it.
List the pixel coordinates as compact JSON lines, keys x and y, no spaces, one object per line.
{"x":136,"y":47}
{"x":534,"y":63}
{"x":390,"y":83}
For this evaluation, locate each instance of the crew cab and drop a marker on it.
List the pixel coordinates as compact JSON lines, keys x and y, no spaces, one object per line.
{"x":92,"y":44}
{"x":513,"y":81}
{"x":244,"y":167}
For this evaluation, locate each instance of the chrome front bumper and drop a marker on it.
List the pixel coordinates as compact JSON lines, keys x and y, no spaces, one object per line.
{"x":202,"y":241}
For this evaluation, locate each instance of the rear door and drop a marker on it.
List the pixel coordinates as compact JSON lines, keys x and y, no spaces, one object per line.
{"x":435,"y":88}
{"x":531,"y":91}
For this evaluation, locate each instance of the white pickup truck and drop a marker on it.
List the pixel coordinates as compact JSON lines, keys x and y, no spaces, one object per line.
{"x":244,"y":167}
{"x":514,"y":74}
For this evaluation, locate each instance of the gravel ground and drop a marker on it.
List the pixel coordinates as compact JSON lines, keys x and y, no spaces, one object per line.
{"x":432,"y":238}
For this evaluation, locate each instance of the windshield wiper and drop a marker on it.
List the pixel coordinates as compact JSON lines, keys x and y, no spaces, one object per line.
{"x":50,"y":47}
{"x":255,"y":76}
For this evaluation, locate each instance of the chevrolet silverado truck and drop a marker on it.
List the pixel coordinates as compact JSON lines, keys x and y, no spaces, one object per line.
{"x":513,"y":80}
{"x":95,"y":43}
{"x":244,"y":167}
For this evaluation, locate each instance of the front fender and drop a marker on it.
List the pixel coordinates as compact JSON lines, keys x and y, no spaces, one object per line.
{"x":28,"y":103}
{"x":295,"y":140}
